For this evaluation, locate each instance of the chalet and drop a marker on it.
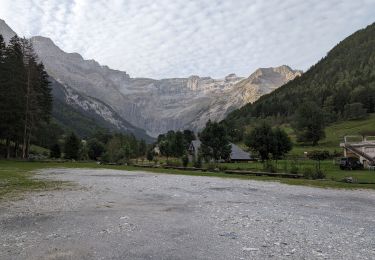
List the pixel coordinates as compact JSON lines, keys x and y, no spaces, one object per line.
{"x":361,"y":147}
{"x":237,"y":154}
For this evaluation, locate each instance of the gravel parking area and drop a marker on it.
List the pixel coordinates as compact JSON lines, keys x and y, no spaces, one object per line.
{"x":136,"y":215}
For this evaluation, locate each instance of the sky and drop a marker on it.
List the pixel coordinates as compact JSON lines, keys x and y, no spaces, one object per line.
{"x":179,"y":38}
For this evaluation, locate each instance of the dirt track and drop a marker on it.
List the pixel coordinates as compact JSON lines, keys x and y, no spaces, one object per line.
{"x":137,"y":215}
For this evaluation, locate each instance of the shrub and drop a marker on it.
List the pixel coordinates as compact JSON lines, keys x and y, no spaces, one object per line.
{"x":197,"y":163}
{"x":212,"y":167}
{"x":294,"y":168}
{"x":173,"y":163}
{"x":319,"y":174}
{"x":318,"y":155}
{"x":308,"y":173}
{"x":223,"y":168}
{"x":269,"y":167}
{"x":55,"y":151}
{"x":185,"y":160}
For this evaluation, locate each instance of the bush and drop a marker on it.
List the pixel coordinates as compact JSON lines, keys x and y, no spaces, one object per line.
{"x":316,"y":174}
{"x":173,"y":163}
{"x":223,"y":168}
{"x":319,"y":174}
{"x":55,"y":151}
{"x":294,"y":168}
{"x":185,"y":160}
{"x":318,"y":155}
{"x":308,"y":173}
{"x":197,"y":163}
{"x":212,"y":167}
{"x":269,"y":167}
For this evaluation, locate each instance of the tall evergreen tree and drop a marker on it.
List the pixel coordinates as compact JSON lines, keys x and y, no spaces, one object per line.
{"x":71,"y":148}
{"x":13,"y":89}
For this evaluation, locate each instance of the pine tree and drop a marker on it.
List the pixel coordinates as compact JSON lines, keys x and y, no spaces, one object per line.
{"x":3,"y":99}
{"x":14,"y":90}
{"x":71,"y":148}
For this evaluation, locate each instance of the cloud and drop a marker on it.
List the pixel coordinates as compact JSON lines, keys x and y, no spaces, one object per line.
{"x":178,"y":38}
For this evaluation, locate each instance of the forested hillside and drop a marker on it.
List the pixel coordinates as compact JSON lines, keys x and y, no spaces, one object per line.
{"x":342,"y":84}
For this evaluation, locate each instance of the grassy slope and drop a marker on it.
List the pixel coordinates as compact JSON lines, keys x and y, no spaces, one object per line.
{"x":335,"y":134}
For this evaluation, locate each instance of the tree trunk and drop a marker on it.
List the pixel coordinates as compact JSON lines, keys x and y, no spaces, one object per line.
{"x":16,"y":145}
{"x":8,"y":148}
{"x":26,"y":117}
{"x":28,"y":145}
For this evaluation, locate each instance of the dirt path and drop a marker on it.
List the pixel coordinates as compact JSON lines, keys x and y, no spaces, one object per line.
{"x":136,"y":215}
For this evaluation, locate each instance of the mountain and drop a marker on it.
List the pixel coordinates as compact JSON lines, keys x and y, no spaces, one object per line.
{"x":244,"y":91}
{"x":6,"y":31}
{"x":340,"y":82}
{"x":158,"y":105}
{"x":74,"y":110}
{"x":85,"y":114}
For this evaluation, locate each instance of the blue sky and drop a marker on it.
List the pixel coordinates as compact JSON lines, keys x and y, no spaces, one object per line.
{"x":178,"y":38}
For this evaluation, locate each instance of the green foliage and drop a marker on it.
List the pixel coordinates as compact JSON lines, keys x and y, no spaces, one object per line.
{"x":215,"y":142}
{"x":197,"y":162}
{"x":281,"y":143}
{"x":55,"y":151}
{"x":222,"y":167}
{"x":25,"y":96}
{"x":213,"y":167}
{"x":261,"y":140}
{"x":309,"y":123}
{"x":294,"y":169}
{"x":95,"y":149}
{"x":269,"y":167}
{"x":346,"y":75}
{"x":266,"y":141}
{"x":120,"y":148}
{"x":71,"y":147}
{"x":150,"y":154}
{"x":189,"y":136}
{"x":354,"y":111}
{"x":185,"y":160}
{"x":174,"y":143}
{"x":83,"y":152}
{"x":174,"y":163}
{"x":308,"y":173}
{"x":319,"y":174}
{"x":318,"y":155}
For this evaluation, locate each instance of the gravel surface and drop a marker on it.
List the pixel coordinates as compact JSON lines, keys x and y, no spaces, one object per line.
{"x":137,"y":215}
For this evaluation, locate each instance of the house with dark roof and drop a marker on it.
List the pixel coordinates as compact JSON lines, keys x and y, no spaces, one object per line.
{"x":236,"y":155}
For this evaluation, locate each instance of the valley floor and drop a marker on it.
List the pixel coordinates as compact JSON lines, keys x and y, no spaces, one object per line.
{"x":113,"y":214}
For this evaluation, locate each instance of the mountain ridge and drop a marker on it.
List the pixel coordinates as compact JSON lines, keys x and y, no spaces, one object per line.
{"x":341,"y":80}
{"x":157,"y":105}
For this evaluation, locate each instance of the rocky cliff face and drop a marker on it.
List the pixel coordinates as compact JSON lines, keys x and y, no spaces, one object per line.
{"x":159,"y":105}
{"x":6,"y":31}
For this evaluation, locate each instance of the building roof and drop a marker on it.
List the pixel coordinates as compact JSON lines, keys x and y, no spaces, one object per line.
{"x":239,"y":154}
{"x":236,"y":154}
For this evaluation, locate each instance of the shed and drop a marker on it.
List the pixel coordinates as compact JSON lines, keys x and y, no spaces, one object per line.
{"x":236,"y":155}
